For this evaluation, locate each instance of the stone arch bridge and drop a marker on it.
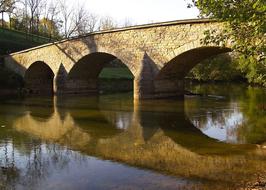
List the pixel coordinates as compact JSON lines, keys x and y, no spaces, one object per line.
{"x":158,"y":55}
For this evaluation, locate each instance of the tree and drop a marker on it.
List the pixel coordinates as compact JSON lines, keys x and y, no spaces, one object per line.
{"x":7,"y":6}
{"x":77,"y":20}
{"x":71,"y":18}
{"x":245,"y":26}
{"x":107,"y":23}
{"x":66,"y":12}
{"x":49,"y":28}
{"x":35,"y":8}
{"x":50,"y":22}
{"x":84,"y":21}
{"x":11,"y":6}
{"x":20,"y":20}
{"x":219,"y":68}
{"x":90,"y":23}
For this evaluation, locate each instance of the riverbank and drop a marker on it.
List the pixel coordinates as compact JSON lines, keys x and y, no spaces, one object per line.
{"x":239,"y":82}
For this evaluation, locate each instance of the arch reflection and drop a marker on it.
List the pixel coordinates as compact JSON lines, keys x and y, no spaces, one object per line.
{"x":156,"y":136}
{"x":87,"y":122}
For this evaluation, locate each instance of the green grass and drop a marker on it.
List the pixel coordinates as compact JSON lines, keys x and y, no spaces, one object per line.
{"x":116,"y":73}
{"x":12,"y":41}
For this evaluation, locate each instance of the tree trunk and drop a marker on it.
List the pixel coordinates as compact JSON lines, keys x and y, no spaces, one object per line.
{"x":10,"y":22}
{"x":3,"y":19}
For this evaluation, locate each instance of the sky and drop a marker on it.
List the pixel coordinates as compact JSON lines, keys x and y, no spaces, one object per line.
{"x":141,"y":11}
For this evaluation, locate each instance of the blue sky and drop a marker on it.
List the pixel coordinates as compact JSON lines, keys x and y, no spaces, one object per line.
{"x":141,"y":11}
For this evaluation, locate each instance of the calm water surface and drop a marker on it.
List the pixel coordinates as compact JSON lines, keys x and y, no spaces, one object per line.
{"x":213,"y":141}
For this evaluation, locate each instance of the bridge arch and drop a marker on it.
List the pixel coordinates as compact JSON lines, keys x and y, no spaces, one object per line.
{"x":90,"y":65}
{"x":169,"y":80}
{"x":83,"y":78}
{"x":39,"y":79}
{"x":182,"y":64}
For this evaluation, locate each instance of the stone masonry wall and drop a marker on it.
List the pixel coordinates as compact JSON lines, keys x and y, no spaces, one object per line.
{"x":145,"y":50}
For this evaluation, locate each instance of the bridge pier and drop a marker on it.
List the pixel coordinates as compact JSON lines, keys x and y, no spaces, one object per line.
{"x":39,"y":86}
{"x":158,"y":89}
{"x":148,"y":86}
{"x":169,"y":88}
{"x":81,"y":86}
{"x":144,"y":78}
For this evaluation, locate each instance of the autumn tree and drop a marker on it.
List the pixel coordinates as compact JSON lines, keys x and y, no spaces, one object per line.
{"x":107,"y":23}
{"x":35,"y":11}
{"x":50,"y":23}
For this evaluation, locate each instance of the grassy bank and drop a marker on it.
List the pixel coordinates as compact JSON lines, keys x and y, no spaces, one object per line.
{"x":12,"y":41}
{"x":116,"y":73}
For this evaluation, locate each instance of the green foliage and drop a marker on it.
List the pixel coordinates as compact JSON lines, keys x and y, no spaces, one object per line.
{"x":116,"y":73}
{"x":49,"y":29}
{"x":12,"y":41}
{"x":255,"y":71}
{"x":245,"y":23}
{"x":7,"y":5}
{"x":218,"y":68}
{"x":116,"y":70}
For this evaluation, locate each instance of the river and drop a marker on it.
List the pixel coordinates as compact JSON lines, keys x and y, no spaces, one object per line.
{"x":213,"y":141}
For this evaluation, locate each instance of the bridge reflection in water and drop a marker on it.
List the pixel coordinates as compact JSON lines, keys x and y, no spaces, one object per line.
{"x":156,"y":136}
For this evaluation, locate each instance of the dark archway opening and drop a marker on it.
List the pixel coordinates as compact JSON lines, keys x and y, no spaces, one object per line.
{"x":170,"y":80}
{"x":181,"y":65}
{"x":99,"y":73}
{"x":115,"y":77}
{"x":39,"y":79}
{"x":219,"y":68}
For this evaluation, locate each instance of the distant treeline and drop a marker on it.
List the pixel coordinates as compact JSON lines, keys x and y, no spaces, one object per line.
{"x":53,"y":19}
